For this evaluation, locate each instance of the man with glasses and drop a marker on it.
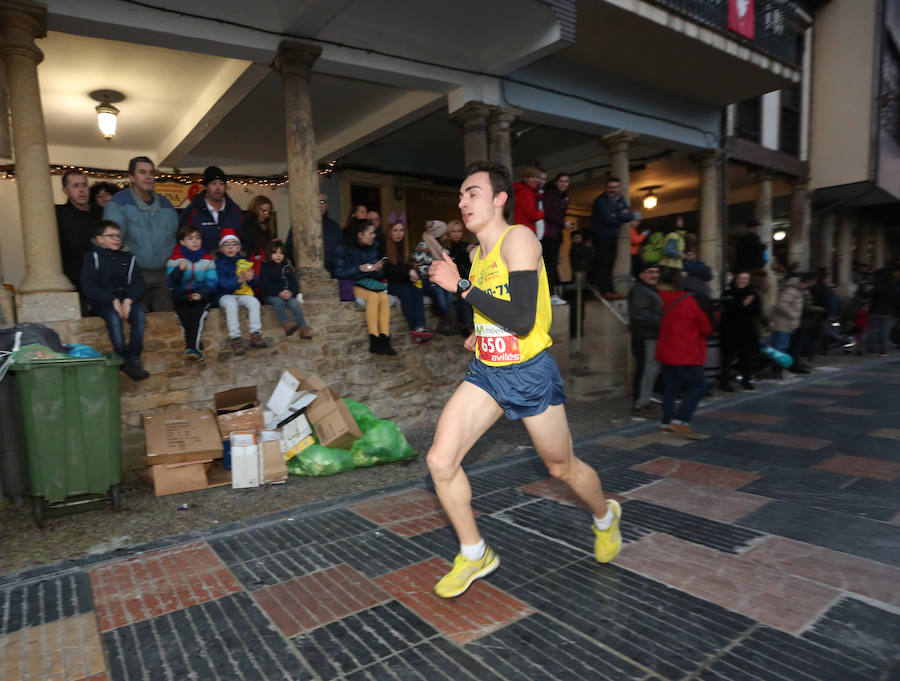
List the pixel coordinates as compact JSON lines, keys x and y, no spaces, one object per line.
{"x":112,"y":282}
{"x":149,"y":222}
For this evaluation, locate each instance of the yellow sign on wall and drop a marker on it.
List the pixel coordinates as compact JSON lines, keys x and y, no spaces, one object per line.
{"x":176,"y":192}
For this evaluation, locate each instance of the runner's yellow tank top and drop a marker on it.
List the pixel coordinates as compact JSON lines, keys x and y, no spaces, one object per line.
{"x":495,"y":345}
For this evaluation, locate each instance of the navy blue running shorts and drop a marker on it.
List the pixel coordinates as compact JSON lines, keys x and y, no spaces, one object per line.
{"x":524,"y":389}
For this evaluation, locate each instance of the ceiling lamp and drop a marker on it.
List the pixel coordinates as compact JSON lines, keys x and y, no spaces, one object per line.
{"x":107,"y":114}
{"x":651,"y":200}
{"x":779,"y":235}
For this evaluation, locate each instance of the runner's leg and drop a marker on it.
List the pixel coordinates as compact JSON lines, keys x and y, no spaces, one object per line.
{"x":466,"y":417}
{"x":552,"y":439}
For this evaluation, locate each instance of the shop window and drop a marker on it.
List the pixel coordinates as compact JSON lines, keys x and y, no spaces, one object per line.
{"x":749,"y":119}
{"x":789,"y":128}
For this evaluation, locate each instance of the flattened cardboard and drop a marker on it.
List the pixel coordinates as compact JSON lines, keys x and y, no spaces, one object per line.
{"x":244,"y":459}
{"x":272,"y":469}
{"x":181,"y":436}
{"x":238,"y":409}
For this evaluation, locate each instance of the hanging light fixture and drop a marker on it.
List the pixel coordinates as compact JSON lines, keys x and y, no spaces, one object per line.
{"x":651,"y":200}
{"x":107,"y":114}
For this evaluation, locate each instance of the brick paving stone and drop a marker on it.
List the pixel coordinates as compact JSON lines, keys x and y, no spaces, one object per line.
{"x":480,"y":610}
{"x":813,"y":401}
{"x":229,"y":638}
{"x":621,"y":480}
{"x":657,"y":437}
{"x":840,"y":570}
{"x":60,"y":650}
{"x":713,"y":534}
{"x":280,"y":566}
{"x":775,"y":656}
{"x":780,"y":439}
{"x":619,"y":442}
{"x":44,"y":601}
{"x":153,"y":584}
{"x":895,"y":519}
{"x":860,"y":466}
{"x":500,"y":500}
{"x":545,"y":651}
{"x":491,"y":479}
{"x":551,"y":488}
{"x":313,"y":600}
{"x":890,"y":433}
{"x":849,"y":411}
{"x":723,"y":505}
{"x":661,"y":629}
{"x":828,"y":391}
{"x":851,"y":534}
{"x":866,"y":632}
{"x":743,"y":416}
{"x":766,"y":595}
{"x":401,"y":506}
{"x":376,"y":553}
{"x":700,"y":473}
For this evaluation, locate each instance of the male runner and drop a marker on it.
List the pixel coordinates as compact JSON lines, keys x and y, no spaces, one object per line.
{"x":512,"y":374}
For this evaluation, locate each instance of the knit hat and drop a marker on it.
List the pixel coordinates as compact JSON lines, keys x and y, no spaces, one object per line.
{"x":436,"y":228}
{"x":228,"y":235}
{"x":645,"y":265}
{"x":213,"y":173}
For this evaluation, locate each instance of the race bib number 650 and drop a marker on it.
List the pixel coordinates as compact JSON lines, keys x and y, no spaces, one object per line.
{"x":495,"y":344}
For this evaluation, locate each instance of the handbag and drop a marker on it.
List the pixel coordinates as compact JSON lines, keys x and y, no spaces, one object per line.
{"x":371,"y":284}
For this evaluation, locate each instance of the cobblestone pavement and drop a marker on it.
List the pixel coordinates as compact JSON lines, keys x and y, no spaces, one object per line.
{"x":770,"y":550}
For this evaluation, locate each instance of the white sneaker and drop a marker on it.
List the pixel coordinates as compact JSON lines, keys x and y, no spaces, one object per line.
{"x":556,"y":300}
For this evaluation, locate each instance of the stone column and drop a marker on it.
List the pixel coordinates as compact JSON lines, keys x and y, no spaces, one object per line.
{"x":764,"y":215}
{"x":43,"y":292}
{"x":617,"y":147}
{"x":879,"y":245}
{"x":499,"y":146}
{"x":863,"y":238}
{"x":826,"y":241}
{"x":294,"y":62}
{"x":710,"y":235}
{"x":844,"y":240}
{"x":801,"y":217}
{"x":472,"y":118}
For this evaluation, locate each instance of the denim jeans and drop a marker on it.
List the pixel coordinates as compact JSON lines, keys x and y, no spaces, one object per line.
{"x":443,"y":300}
{"x":282,"y":306}
{"x":136,"y":320}
{"x":879,"y":333}
{"x":646,"y":369}
{"x":411,"y":302}
{"x":230,"y":304}
{"x":781,"y":340}
{"x":688,"y":381}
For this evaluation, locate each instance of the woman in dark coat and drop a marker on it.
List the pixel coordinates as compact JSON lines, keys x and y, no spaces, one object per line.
{"x":738,"y":333}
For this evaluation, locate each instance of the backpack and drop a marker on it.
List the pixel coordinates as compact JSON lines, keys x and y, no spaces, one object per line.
{"x":652,"y":249}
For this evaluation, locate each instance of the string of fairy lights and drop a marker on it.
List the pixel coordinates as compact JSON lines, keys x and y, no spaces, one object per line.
{"x":120,"y":177}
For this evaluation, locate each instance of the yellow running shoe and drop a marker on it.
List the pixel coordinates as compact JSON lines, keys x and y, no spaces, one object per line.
{"x":608,"y":541}
{"x":465,"y":572}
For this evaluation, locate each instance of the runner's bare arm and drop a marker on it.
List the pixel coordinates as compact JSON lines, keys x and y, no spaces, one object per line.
{"x":521,"y":252}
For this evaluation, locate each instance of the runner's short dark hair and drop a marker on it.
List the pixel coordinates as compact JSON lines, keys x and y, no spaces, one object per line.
{"x":501,"y":181}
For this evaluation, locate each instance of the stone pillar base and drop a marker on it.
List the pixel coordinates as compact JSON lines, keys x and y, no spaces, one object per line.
{"x":7,"y":309}
{"x":47,"y":307}
{"x":559,"y":332}
{"x":605,"y":348}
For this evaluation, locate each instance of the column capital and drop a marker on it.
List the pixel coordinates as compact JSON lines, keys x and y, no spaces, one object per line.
{"x":618,"y":142}
{"x":707,"y":157}
{"x":471,"y":116}
{"x":764,"y":174}
{"x":20,"y":24}
{"x":295,"y":58}
{"x":501,"y":117}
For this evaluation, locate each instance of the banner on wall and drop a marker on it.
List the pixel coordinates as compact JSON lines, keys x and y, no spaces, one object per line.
{"x":177,"y":193}
{"x":742,"y":18}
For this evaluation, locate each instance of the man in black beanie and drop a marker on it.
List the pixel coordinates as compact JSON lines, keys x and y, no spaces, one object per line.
{"x":212,"y":210}
{"x":750,"y":255}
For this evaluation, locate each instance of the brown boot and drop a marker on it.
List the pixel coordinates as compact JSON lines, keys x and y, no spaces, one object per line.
{"x":256,"y":340}
{"x":290,"y":328}
{"x":306,"y":333}
{"x":237,"y":346}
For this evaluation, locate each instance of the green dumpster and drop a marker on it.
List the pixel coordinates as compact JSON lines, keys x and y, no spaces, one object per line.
{"x":70,"y":413}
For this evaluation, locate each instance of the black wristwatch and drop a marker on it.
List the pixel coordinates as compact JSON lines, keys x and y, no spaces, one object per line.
{"x":462,"y":286}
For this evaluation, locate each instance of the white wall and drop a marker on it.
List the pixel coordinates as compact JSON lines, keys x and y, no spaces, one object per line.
{"x":771,"y":119}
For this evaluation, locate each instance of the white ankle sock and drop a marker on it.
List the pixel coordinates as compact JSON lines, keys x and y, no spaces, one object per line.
{"x":473,"y":551}
{"x":605,"y":522}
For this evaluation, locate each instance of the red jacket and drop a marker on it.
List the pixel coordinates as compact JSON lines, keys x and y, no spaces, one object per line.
{"x":525,"y":211}
{"x":682,"y":335}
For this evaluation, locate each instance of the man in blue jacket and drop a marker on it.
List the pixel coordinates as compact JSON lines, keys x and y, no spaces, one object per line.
{"x":609,"y":213}
{"x":148,"y":222}
{"x":213,"y":210}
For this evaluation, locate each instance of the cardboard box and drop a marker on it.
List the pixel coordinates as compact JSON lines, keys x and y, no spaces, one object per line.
{"x":244,"y":459}
{"x":283,"y":395}
{"x":175,"y":478}
{"x":238,"y":409}
{"x":329,"y":416}
{"x":272,"y":469}
{"x":295,"y":431}
{"x":181,"y":436}
{"x":289,"y":452}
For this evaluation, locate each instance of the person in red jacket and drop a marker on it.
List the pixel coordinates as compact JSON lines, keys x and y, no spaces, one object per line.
{"x":525,"y":210}
{"x":681,"y":350}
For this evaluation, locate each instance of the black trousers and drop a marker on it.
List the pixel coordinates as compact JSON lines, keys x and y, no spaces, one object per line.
{"x":744,"y":357}
{"x":191,"y":314}
{"x":605,"y":250}
{"x":550,"y":245}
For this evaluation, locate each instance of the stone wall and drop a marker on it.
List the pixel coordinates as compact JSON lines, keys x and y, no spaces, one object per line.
{"x":409,"y":388}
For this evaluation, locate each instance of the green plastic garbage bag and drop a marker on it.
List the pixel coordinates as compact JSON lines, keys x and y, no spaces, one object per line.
{"x":317,"y":460}
{"x":381,"y":442}
{"x":361,"y":414}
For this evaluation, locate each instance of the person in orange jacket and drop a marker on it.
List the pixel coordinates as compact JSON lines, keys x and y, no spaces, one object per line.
{"x":638,"y":236}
